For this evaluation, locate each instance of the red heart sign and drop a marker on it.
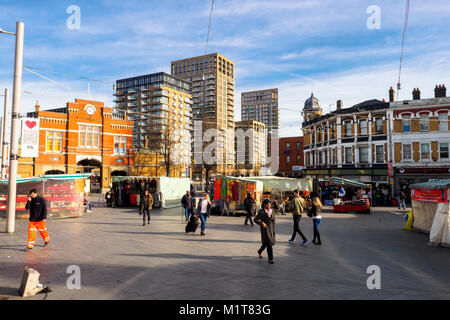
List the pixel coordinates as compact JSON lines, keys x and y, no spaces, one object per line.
{"x":30,"y":124}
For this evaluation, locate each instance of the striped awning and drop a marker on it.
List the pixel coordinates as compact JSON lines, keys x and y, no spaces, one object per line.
{"x":348,"y":183}
{"x":66,"y":177}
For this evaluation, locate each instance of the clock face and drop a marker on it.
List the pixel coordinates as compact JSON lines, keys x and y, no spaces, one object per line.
{"x":90,"y":110}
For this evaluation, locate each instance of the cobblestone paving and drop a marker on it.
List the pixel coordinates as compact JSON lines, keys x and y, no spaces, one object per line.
{"x":121,"y":259}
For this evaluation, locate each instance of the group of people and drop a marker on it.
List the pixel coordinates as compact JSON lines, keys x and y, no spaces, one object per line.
{"x":265,"y":218}
{"x":203,"y":209}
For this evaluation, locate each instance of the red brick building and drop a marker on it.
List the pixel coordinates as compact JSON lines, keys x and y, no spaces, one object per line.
{"x":84,"y":136}
{"x":291,"y":156}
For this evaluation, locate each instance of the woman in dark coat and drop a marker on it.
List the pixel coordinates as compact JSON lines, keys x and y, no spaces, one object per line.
{"x":266,"y":220}
{"x":146,"y":205}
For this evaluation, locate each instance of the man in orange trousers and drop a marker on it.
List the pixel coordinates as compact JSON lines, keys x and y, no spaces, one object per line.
{"x":38,"y":216}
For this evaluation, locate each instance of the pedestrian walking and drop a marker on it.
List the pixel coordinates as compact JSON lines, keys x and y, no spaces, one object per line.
{"x":402,"y":200}
{"x":204,"y":211}
{"x":265,"y":218}
{"x":298,"y":205}
{"x":146,"y":206}
{"x":250,"y":208}
{"x":281,"y":205}
{"x":109,"y":199}
{"x":187,"y":204}
{"x":38,"y":217}
{"x":315,"y":213}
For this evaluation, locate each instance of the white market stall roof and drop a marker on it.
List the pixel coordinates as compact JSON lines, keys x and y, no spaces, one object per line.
{"x":282,"y":184}
{"x":66,"y":177}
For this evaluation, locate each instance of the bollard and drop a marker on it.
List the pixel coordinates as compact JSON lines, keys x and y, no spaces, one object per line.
{"x":30,"y":283}
{"x":409,"y":218}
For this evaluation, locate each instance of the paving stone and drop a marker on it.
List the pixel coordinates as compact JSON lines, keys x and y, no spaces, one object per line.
{"x":121,"y":259}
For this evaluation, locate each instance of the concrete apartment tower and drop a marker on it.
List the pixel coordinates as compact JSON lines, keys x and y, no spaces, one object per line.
{"x":161,"y":107}
{"x":212,"y":87}
{"x":262,"y":106}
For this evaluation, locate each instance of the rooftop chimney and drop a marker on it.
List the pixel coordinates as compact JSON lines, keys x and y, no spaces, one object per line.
{"x":37,"y":107}
{"x":339,"y":104}
{"x":440,"y":91}
{"x":391,"y":95}
{"x":416,"y":94}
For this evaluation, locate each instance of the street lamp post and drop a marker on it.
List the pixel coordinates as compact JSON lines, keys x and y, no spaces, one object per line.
{"x":4,"y":144}
{"x":17,"y":89}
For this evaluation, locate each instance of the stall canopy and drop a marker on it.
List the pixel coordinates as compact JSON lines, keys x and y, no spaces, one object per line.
{"x":281,"y":184}
{"x":347,"y":183}
{"x":65,"y":177}
{"x":172,"y":189}
{"x":433,"y":184}
{"x":63,"y":193}
{"x":431,"y":210}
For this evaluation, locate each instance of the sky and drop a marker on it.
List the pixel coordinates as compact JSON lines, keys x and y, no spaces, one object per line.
{"x":336,"y":49}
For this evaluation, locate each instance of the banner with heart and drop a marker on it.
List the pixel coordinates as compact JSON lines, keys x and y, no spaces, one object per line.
{"x":29,"y":140}
{"x":30,"y":124}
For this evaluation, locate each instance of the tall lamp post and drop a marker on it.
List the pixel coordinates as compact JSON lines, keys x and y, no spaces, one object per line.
{"x":17,"y":89}
{"x":4,"y":143}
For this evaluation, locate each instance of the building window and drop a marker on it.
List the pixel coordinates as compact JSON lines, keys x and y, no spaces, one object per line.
{"x":364,"y":154}
{"x":320,"y":158}
{"x":288,"y":159}
{"x":425,"y":151}
{"x":120,"y":145}
{"x":288,"y":145}
{"x":348,"y":129}
{"x":297,"y":145}
{"x":379,"y":154}
{"x":443,"y":150}
{"x":89,"y":136}
{"x":424,"y":122}
{"x":348,"y":155}
{"x":443,"y":122}
{"x":407,"y":154}
{"x":53,"y":141}
{"x":363,"y":128}
{"x":379,"y":125}
{"x":299,"y":159}
{"x":406,"y":124}
{"x":333,"y":151}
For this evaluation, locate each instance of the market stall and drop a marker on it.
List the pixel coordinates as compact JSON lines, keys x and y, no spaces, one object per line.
{"x":431,"y":210}
{"x":167,"y":192}
{"x":359,"y":203}
{"x":232,"y":191}
{"x":64,"y":194}
{"x":274,"y":184}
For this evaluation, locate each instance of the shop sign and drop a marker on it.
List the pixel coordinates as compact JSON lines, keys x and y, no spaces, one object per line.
{"x":119,"y":160}
{"x":298,"y":168}
{"x":429,"y":195}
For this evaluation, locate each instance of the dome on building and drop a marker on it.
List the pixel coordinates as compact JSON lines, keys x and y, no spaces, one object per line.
{"x":312,"y":103}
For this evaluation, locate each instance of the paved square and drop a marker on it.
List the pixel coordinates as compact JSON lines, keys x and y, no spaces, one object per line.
{"x":121,"y":259}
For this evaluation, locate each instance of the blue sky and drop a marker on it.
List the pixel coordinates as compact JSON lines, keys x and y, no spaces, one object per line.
{"x":296,"y":46}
